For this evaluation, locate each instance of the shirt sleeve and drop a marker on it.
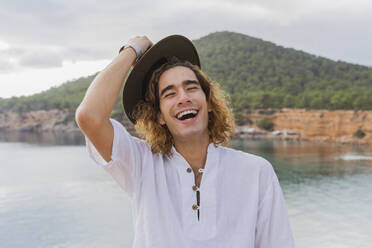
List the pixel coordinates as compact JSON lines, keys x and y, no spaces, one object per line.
{"x":273,"y":228}
{"x":125,"y":165}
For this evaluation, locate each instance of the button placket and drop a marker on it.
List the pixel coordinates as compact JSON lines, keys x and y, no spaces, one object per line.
{"x":190,"y":206}
{"x":208,"y":195}
{"x":205,"y":227}
{"x":195,"y":188}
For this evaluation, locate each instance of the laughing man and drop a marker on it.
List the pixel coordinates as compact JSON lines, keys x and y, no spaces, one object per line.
{"x":187,"y":189}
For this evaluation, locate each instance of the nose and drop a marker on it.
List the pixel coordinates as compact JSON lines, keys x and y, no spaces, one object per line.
{"x":183,"y":98}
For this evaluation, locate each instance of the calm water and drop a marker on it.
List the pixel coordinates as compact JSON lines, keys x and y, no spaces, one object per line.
{"x":52,"y":195}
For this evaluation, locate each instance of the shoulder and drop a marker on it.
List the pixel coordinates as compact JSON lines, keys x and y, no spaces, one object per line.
{"x":128,"y":148}
{"x":246,"y":163}
{"x":142,"y":143}
{"x":240,"y":157}
{"x":122,"y":132}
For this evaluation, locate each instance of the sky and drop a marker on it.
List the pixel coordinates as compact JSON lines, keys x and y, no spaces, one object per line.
{"x":44,"y":43}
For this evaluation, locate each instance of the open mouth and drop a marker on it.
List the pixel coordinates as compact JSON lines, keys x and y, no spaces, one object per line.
{"x":188,"y":114}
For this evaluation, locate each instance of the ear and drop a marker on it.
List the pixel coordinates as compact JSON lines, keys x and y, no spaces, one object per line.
{"x":209,"y":107}
{"x":161,"y":118}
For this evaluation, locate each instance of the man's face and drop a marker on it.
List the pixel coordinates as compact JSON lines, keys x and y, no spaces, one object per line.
{"x":183,"y":104}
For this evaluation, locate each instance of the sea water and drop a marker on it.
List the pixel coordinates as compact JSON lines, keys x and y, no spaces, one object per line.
{"x":52,"y":195}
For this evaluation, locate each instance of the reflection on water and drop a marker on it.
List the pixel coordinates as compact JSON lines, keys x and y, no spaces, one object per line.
{"x":296,"y":161}
{"x":355,"y":157}
{"x":54,"y":196}
{"x":44,"y":138}
{"x":327,"y":189}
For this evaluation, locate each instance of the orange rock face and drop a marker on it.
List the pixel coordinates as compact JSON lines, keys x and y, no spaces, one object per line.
{"x":323,"y":125}
{"x":337,"y":125}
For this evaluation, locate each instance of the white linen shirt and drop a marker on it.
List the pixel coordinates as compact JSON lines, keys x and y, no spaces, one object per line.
{"x":241,"y":202}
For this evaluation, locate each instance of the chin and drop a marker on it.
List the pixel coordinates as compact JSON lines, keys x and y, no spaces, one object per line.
{"x":192,"y":132}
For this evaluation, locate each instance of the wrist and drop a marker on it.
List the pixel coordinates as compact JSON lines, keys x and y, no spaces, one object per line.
{"x":127,"y":54}
{"x":134,"y":48}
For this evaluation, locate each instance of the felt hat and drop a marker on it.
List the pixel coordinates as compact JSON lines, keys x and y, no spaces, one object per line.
{"x":138,"y":79}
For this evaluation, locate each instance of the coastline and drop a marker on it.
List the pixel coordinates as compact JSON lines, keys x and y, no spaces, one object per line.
{"x":337,"y":126}
{"x":323,"y":126}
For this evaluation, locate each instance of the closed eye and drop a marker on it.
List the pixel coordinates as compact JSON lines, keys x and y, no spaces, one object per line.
{"x":170,"y":94}
{"x":192,"y":88}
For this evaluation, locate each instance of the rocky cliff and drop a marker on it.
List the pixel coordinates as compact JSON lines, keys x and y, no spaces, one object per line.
{"x":38,"y":121}
{"x":324,"y":125}
{"x":46,"y":121}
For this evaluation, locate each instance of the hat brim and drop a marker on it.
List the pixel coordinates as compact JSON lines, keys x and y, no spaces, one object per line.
{"x":138,"y":79}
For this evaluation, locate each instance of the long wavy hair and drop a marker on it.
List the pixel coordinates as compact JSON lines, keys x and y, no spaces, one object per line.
{"x":220,"y":124}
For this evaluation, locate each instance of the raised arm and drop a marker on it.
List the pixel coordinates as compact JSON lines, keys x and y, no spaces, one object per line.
{"x":94,"y":111}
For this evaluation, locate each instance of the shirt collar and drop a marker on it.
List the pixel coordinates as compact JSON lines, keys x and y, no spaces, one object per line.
{"x":212,"y":156}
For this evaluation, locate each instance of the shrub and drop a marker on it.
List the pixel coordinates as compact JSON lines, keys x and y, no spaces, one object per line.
{"x":239,"y":118}
{"x":266,"y":124}
{"x":359,"y":134}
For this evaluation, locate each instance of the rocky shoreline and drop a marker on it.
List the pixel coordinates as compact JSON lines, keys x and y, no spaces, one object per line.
{"x":289,"y":124}
{"x":339,"y":126}
{"x":38,"y":121}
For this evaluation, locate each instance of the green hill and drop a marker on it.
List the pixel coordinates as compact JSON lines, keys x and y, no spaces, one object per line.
{"x":68,"y":95}
{"x":260,"y":74}
{"x":256,"y":73}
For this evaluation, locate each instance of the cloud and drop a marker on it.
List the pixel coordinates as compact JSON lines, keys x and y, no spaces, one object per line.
{"x":6,"y":65}
{"x":44,"y":33}
{"x":35,"y":80}
{"x":41,"y":59}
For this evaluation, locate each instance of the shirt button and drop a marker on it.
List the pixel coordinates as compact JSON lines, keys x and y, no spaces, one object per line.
{"x":189,"y":170}
{"x":195,"y":207}
{"x":195,"y":188}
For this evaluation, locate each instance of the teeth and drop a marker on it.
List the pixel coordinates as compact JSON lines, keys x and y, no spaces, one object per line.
{"x":186,"y":112}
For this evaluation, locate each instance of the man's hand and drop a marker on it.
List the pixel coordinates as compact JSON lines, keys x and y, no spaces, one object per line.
{"x":142,"y":41}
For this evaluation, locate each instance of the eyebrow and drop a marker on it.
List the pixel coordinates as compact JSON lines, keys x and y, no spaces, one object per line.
{"x":171,"y":86}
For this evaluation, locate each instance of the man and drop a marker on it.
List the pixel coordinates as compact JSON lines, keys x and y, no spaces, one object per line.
{"x":187,"y":190}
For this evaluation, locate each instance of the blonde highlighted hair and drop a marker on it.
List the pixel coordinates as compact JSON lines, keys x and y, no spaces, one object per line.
{"x":220,"y":124}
